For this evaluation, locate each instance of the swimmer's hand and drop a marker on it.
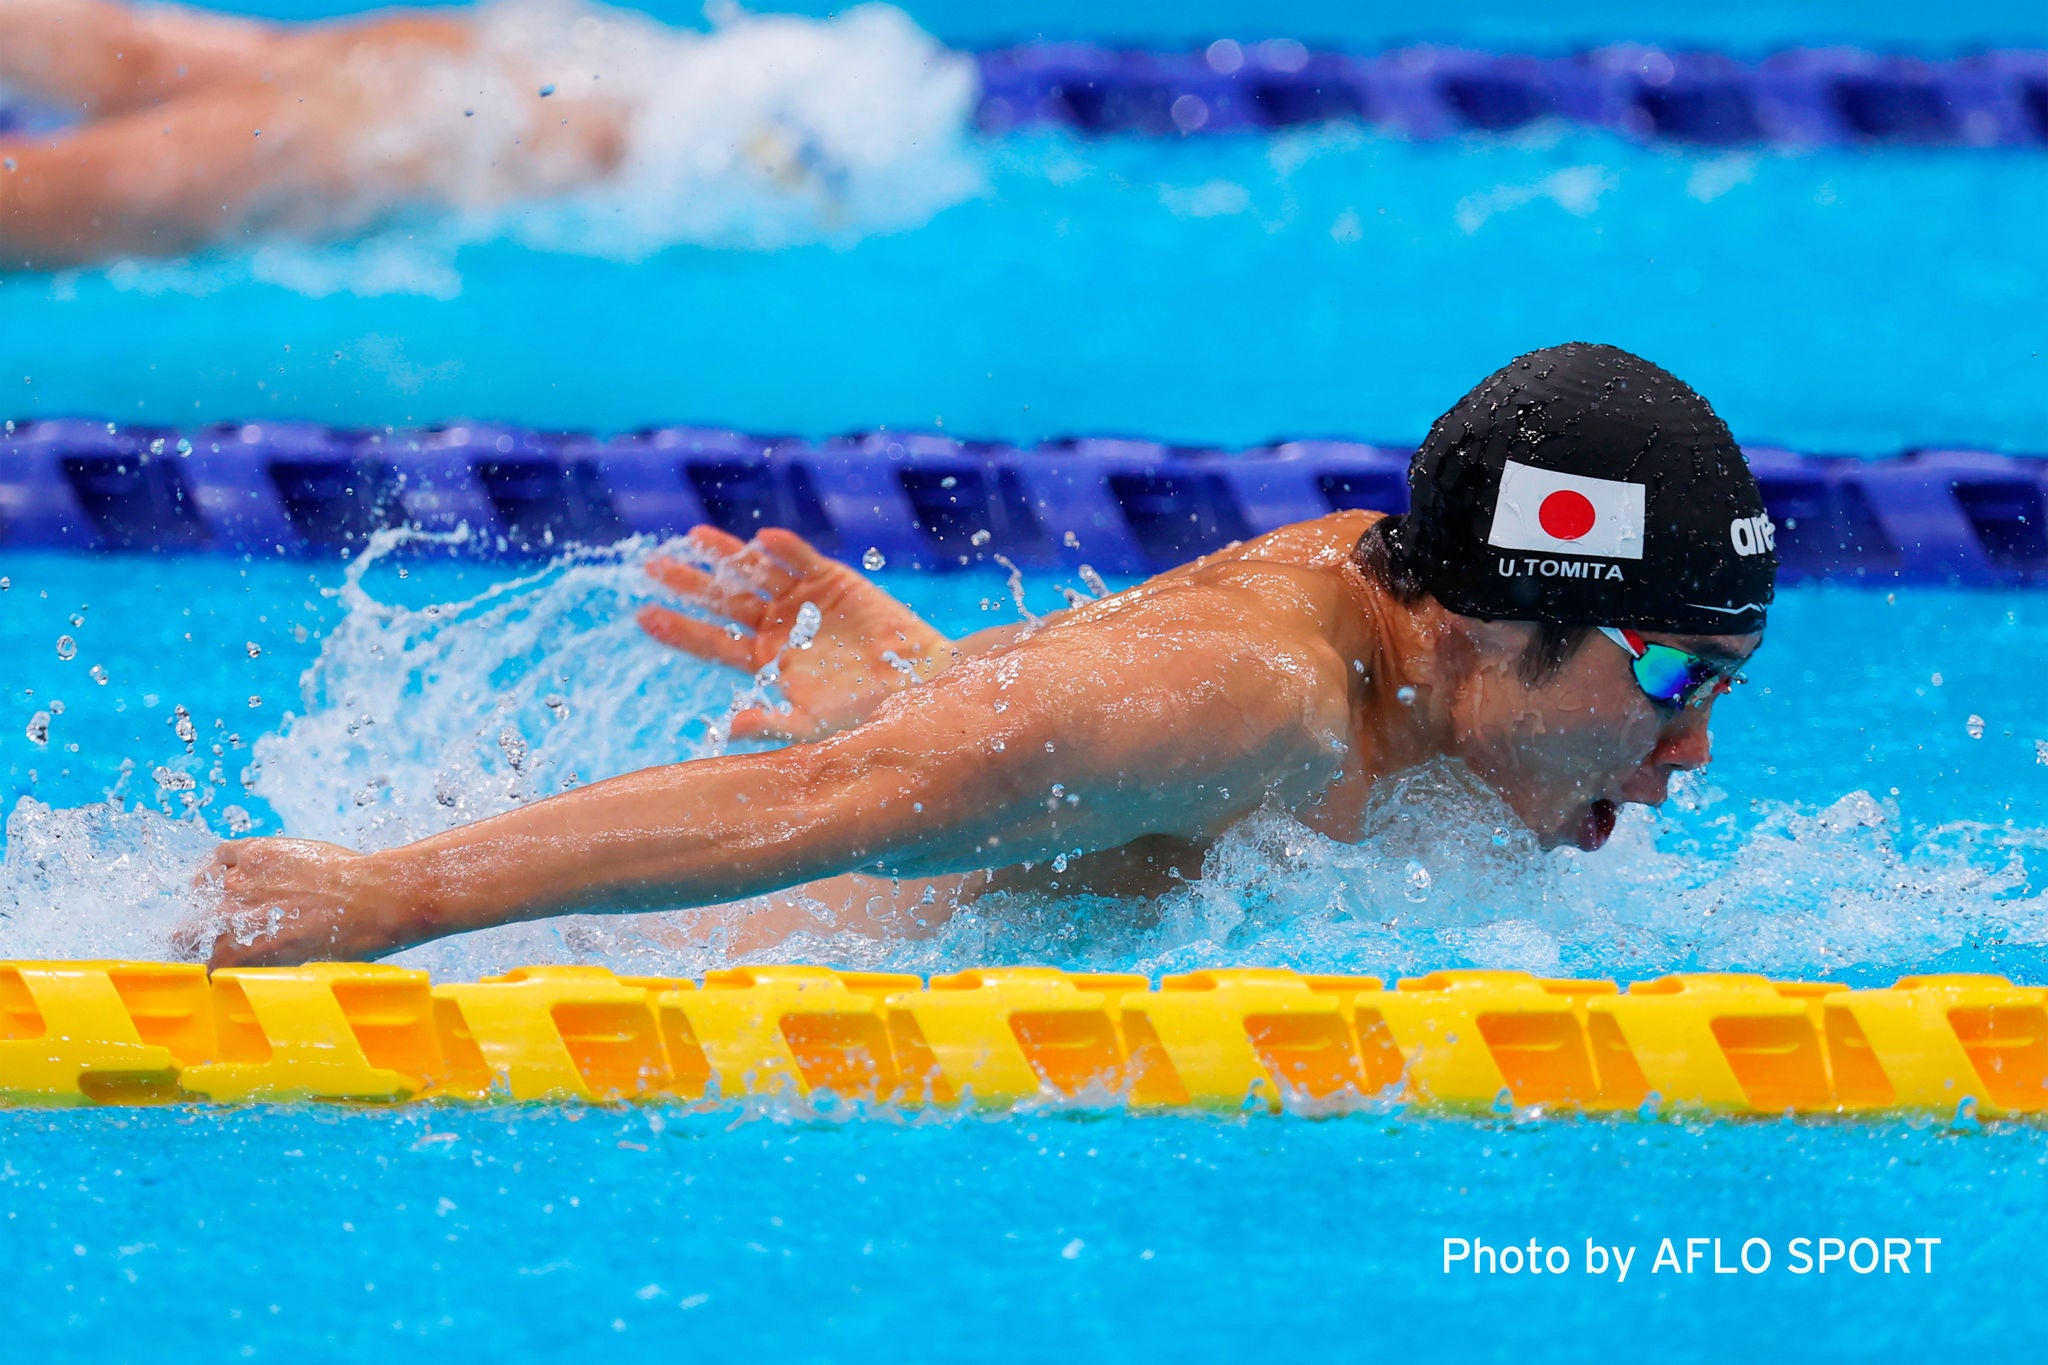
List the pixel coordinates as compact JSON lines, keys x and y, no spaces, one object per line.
{"x":286,"y":901}
{"x":861,"y":646}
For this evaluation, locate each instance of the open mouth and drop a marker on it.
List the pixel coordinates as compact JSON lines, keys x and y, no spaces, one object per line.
{"x":1597,"y":824}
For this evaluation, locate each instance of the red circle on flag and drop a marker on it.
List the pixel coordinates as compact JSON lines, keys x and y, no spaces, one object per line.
{"x":1565,"y":515}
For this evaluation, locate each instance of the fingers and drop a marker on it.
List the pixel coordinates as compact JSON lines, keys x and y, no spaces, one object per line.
{"x":704,"y":639}
{"x":737,"y":600}
{"x":761,"y":561}
{"x":793,"y":550}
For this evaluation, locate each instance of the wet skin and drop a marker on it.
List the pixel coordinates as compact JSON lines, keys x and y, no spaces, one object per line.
{"x":1134,"y":730}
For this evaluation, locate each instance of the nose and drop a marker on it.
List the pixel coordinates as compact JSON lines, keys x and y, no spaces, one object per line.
{"x":1684,"y":743}
{"x":1682,"y":746}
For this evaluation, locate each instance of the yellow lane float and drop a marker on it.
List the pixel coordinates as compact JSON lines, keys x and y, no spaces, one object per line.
{"x":84,"y":1033}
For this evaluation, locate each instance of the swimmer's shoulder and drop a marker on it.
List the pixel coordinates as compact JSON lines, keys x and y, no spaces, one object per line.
{"x":1302,"y":542}
{"x":1301,"y":564}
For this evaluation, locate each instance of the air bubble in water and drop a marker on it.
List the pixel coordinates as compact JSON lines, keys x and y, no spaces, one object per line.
{"x":979,"y":538}
{"x":99,"y":675}
{"x":872,"y":560}
{"x":1974,"y":727}
{"x":2041,"y":752}
{"x":808,"y":622}
{"x":181,"y":722}
{"x":557,"y":704}
{"x":255,"y":650}
{"x":76,"y":620}
{"x":39,"y":729}
{"x":1417,"y":885}
{"x":254,"y":701}
{"x":67,"y":648}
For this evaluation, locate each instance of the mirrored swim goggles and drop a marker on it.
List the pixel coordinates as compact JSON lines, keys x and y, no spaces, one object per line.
{"x":1669,"y":676}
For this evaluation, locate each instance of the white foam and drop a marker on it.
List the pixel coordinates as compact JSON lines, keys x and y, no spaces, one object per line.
{"x":769,"y":130}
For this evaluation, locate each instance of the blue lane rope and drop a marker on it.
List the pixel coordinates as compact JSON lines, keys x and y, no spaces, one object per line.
{"x":1802,"y":97}
{"x":1806,"y":96}
{"x":921,"y":500}
{"x":1833,"y":96}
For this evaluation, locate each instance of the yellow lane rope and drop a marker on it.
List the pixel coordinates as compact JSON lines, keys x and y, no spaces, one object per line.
{"x":80,"y":1033}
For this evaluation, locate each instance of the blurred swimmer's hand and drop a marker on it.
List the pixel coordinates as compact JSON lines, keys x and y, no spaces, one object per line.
{"x":840,"y":643}
{"x":286,"y":901}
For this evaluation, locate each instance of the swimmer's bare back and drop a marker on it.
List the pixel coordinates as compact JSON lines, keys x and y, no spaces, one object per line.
{"x":201,"y":128}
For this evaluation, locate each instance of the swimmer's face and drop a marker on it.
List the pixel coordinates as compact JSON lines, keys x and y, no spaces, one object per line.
{"x":1567,"y":750}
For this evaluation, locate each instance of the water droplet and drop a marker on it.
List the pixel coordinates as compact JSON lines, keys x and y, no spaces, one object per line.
{"x":514,"y":748}
{"x":98,"y":675}
{"x":2041,"y":752}
{"x":5,"y":583}
{"x":76,"y":620}
{"x":1093,"y":580}
{"x":67,"y":648}
{"x":809,"y":620}
{"x":558,"y":704}
{"x":1975,"y":727}
{"x":1406,"y":696}
{"x":872,"y":560}
{"x":39,"y":729}
{"x":255,"y":702}
{"x":1417,"y":884}
{"x":255,"y":650}
{"x":181,"y":723}
{"x":238,"y":820}
{"x":1059,"y":863}
{"x":979,"y":538}
{"x":546,"y":90}
{"x":998,"y":746}
{"x":56,"y":708}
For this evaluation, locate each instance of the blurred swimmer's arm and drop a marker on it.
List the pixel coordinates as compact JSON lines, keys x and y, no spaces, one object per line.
{"x":155,"y":182}
{"x":1167,"y":717}
{"x":103,"y":59}
{"x":855,"y":646}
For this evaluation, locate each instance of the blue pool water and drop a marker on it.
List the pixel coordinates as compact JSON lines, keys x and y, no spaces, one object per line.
{"x":547,"y":1235}
{"x":1879,"y":803}
{"x":1337,"y":281}
{"x":1858,"y":823}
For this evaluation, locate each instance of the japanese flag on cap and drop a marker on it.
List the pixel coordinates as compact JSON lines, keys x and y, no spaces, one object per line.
{"x":1540,"y":509}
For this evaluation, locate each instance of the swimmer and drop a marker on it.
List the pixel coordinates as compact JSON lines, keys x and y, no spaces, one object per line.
{"x":1584,"y":570}
{"x":201,"y":128}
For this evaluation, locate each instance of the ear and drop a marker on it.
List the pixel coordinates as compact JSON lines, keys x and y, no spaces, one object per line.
{"x":1467,"y":646}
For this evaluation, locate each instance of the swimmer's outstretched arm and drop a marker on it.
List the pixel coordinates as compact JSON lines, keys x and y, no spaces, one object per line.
{"x":1157,"y":717}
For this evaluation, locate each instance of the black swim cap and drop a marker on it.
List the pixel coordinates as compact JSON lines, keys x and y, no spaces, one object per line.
{"x":1582,"y":485}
